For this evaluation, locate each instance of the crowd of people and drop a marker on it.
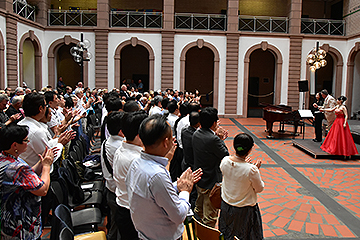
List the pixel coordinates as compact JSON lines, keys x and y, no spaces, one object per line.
{"x":161,"y":155}
{"x":155,"y":147}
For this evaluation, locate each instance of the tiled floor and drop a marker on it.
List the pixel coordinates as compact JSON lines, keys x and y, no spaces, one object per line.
{"x":304,"y":198}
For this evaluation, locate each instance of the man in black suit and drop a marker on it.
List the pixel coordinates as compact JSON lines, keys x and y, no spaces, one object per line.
{"x":14,"y":108}
{"x":209,"y":150}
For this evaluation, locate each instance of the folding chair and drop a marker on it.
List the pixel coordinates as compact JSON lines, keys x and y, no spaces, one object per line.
{"x":204,"y":232}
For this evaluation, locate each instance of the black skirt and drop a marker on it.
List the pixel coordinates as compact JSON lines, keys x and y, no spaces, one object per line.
{"x":242,"y":222}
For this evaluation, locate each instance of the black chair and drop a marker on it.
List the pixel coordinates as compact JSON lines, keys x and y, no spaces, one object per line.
{"x":62,"y":228}
{"x":96,"y":185}
{"x":74,"y":195}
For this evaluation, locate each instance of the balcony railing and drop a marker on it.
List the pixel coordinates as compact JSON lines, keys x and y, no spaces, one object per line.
{"x":263,"y":24}
{"x":323,"y":26}
{"x":23,"y":9}
{"x":72,"y":17}
{"x":200,"y":21}
{"x":131,"y":19}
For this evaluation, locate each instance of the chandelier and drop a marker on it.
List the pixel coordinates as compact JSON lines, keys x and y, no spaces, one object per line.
{"x":316,"y":58}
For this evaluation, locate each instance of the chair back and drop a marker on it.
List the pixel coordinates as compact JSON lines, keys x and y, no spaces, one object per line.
{"x":62,"y":228}
{"x":204,"y":232}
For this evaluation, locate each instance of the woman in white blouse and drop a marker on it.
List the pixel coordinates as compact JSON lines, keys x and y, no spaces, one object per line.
{"x":240,"y":213}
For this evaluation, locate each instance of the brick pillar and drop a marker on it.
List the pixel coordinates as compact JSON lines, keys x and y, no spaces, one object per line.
{"x":6,"y":5}
{"x":233,"y":16}
{"x":232,"y":66}
{"x":11,"y":51}
{"x":294,"y":71}
{"x":43,"y":7}
{"x":295,"y":16}
{"x":101,"y":44}
{"x":167,"y":46}
{"x":232,"y":58}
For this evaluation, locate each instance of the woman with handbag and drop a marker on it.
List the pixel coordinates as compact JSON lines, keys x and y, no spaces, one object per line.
{"x":240,"y":214}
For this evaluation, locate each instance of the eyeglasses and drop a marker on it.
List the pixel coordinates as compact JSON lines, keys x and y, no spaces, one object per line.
{"x":26,"y":140}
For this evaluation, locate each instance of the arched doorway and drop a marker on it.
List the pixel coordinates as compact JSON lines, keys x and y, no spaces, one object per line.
{"x":28,"y":64}
{"x":276,"y":75}
{"x":353,"y":80}
{"x":53,"y":56}
{"x":30,"y":56}
{"x":134,"y":66}
{"x":355,"y":101}
{"x":261,"y":81}
{"x":134,"y":41}
{"x":66,"y":67}
{"x":199,"y":73}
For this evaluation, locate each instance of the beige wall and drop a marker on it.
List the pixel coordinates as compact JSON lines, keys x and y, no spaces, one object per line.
{"x":134,"y":5}
{"x":279,"y":8}
{"x":65,"y":4}
{"x":200,"y":6}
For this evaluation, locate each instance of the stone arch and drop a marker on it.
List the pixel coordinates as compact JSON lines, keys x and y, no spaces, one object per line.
{"x":350,"y":75}
{"x":278,"y":72}
{"x":2,"y":62}
{"x":38,"y":56}
{"x":134,"y":41}
{"x":337,"y":57}
{"x":200,"y":43}
{"x":54,"y":47}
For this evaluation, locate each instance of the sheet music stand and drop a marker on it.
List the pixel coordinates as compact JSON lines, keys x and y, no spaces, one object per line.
{"x":305,"y":114}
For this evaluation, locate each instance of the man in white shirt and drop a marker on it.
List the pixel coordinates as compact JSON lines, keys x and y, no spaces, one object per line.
{"x":173,"y":109}
{"x":34,"y":108}
{"x":157,"y":106}
{"x":114,"y":126}
{"x":158,"y":207}
{"x":124,"y":155}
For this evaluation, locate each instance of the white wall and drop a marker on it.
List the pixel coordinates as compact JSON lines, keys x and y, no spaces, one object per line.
{"x":219,"y":42}
{"x":283,"y":45}
{"x":154,"y":40}
{"x":3,"y":32}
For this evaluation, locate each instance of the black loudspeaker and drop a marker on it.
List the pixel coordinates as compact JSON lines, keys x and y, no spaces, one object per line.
{"x":303,"y":86}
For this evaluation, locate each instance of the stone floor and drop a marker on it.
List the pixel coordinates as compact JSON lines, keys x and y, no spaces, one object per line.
{"x":304,"y":198}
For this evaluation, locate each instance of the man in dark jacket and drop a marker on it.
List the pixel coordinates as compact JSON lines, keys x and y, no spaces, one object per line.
{"x":209,"y":150}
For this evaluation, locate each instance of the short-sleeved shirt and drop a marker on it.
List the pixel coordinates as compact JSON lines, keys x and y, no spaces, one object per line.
{"x":20,"y":209}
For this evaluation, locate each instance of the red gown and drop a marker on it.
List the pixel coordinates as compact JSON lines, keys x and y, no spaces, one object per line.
{"x":339,"y":140}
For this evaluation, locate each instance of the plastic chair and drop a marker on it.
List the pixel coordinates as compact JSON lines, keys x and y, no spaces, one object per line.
{"x":204,"y":232}
{"x":63,"y":227}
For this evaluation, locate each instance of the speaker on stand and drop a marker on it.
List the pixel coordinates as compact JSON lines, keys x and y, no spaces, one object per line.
{"x":303,"y":87}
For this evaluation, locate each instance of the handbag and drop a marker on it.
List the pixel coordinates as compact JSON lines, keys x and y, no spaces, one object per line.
{"x":215,"y":196}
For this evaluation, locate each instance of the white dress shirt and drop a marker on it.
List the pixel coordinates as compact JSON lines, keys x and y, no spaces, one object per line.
{"x":155,"y":110}
{"x":183,"y":123}
{"x":111,"y":145}
{"x":171,"y":120}
{"x":157,"y":211}
{"x":40,"y":138}
{"x":124,"y":156}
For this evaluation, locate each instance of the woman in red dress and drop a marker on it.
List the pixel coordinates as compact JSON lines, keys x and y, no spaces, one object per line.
{"x":339,"y":140}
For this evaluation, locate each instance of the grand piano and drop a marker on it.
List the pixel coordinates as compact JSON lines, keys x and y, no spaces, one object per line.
{"x":282,"y":114}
